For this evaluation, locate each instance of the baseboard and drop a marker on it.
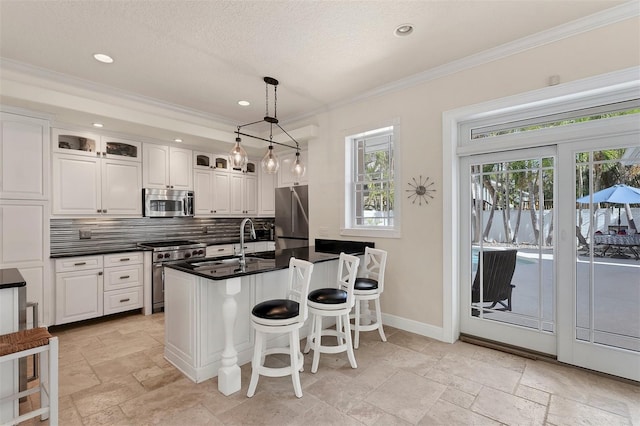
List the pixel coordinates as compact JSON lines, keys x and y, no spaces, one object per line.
{"x":413,"y":326}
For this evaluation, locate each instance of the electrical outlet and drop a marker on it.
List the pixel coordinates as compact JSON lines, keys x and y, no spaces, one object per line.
{"x":85,"y":234}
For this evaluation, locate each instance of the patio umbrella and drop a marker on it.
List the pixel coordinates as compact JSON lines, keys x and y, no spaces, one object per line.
{"x":620,"y":194}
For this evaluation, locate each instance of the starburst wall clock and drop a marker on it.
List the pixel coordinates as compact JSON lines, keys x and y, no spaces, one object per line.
{"x":421,"y":190}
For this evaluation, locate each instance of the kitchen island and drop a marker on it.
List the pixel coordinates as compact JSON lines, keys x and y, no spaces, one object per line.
{"x":208,"y":304}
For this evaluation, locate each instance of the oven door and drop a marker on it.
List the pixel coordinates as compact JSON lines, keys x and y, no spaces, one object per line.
{"x":167,"y":203}
{"x":157,"y":288}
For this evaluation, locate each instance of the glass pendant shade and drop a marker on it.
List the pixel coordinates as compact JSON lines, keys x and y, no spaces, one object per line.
{"x":238,"y":155}
{"x":270,"y":163}
{"x":298,"y":169}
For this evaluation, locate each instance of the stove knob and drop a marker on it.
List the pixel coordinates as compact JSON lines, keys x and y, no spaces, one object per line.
{"x":187,"y":255}
{"x":159,"y":255}
{"x":166,"y":255}
{"x":201,"y":251}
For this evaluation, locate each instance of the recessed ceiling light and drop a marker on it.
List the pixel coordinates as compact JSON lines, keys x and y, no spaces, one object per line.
{"x":101,"y":57}
{"x":244,"y":103}
{"x":98,"y":125}
{"x":403,"y":30}
{"x":177,"y":140}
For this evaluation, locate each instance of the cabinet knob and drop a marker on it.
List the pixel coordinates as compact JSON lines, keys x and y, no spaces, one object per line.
{"x":125,"y":259}
{"x":124,"y":300}
{"x":104,"y":210}
{"x":124,"y":277}
{"x":99,"y":211}
{"x":100,"y":273}
{"x":80,"y":263}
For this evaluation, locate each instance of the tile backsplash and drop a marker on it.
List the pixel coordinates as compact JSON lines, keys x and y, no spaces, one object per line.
{"x":78,"y":236}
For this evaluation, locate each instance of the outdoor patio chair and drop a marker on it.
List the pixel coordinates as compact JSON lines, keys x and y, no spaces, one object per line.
{"x":497,"y":271}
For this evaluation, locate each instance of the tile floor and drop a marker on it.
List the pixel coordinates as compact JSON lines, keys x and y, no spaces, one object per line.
{"x":112,"y":372}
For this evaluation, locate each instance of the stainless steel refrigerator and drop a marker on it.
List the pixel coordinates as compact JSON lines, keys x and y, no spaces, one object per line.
{"x":292,"y":217}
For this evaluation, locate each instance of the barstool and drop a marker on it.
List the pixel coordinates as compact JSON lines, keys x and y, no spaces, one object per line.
{"x":369,"y":286}
{"x":29,"y":342}
{"x":282,"y":316}
{"x":333,"y":302}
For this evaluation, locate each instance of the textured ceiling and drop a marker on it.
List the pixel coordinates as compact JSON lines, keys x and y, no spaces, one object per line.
{"x":207,"y":55}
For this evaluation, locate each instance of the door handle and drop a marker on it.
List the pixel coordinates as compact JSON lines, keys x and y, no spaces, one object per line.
{"x":124,"y":277}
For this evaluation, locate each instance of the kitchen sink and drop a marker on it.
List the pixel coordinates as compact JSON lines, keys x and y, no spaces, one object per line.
{"x":232,"y":265}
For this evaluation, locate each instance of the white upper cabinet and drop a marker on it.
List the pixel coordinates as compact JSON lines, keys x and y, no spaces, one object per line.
{"x":167,"y":167}
{"x":90,"y":179}
{"x":203,"y":192}
{"x":285,"y":177}
{"x":266,"y":194}
{"x":92,"y":145}
{"x":244,"y":197}
{"x":221,"y":192}
{"x":207,"y":160}
{"x":24,"y":157}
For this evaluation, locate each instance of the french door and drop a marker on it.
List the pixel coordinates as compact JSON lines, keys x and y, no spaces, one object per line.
{"x":600,"y":327}
{"x":508,"y":254}
{"x":572,"y":296}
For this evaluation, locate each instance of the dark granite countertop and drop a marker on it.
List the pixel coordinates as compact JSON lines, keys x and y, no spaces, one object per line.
{"x":222,"y":268}
{"x":11,"y":278}
{"x":97,"y":251}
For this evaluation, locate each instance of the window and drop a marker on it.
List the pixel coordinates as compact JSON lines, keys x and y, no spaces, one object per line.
{"x":600,"y":112}
{"x":370,"y":176}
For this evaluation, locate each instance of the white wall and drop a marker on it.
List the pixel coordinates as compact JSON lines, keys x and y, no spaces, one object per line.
{"x":414,"y":284}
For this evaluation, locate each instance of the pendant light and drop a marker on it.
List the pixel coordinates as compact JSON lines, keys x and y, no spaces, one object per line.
{"x":269,"y":163}
{"x":297,"y":168}
{"x":239,"y":156}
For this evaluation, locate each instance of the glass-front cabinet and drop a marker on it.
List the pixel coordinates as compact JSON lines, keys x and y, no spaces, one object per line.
{"x":88,"y":144}
{"x":206,"y":160}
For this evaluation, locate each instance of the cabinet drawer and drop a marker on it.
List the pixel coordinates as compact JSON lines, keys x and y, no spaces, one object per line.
{"x":122,"y":300}
{"x":122,"y":277}
{"x":83,"y":263}
{"x":220,"y":250}
{"x":121,"y":259}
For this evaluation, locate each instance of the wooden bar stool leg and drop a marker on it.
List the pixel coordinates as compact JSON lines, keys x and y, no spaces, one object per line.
{"x":294,"y":345}
{"x":52,"y":381}
{"x":256,"y":363}
{"x":317,"y":332}
{"x":347,"y":334}
{"x":379,"y":319}
{"x":356,"y":322}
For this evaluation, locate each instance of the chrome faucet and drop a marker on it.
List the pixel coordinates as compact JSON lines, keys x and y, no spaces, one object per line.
{"x":243,"y":262}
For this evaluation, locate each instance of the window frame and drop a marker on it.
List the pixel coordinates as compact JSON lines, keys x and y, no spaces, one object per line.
{"x":348,"y":226}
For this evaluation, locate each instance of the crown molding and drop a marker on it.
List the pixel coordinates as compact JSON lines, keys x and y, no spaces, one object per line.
{"x":628,"y":10}
{"x":101,"y":89}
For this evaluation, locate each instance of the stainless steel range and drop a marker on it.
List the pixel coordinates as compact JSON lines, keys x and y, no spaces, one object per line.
{"x":165,"y":252}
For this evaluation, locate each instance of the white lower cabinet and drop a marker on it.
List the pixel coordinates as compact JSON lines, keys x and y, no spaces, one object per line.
{"x":92,"y":286}
{"x":255,"y":247}
{"x":220,"y":250}
{"x":78,"y":295}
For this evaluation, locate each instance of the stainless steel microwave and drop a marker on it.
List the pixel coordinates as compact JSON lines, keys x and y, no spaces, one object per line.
{"x":167,"y":203}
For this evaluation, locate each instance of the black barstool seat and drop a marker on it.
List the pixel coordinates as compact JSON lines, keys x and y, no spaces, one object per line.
{"x":276,"y":309}
{"x":331,"y":296}
{"x":366,"y":284}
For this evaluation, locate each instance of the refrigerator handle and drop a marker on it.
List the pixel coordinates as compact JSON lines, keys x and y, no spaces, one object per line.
{"x":293,"y":209}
